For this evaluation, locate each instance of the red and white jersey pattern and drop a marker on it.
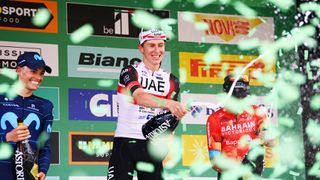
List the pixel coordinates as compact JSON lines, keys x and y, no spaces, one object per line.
{"x":132,"y":116}
{"x":227,"y":128}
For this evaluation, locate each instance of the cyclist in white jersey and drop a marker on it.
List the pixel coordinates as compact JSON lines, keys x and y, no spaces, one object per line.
{"x":144,"y":90}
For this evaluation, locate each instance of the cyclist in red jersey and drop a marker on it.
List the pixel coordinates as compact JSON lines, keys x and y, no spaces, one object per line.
{"x":225,"y":130}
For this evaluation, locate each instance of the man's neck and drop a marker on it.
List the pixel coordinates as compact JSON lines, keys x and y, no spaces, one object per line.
{"x":25,"y":93}
{"x":152,"y":67}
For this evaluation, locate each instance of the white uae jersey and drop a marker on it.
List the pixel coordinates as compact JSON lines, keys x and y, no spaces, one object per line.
{"x":132,"y":116}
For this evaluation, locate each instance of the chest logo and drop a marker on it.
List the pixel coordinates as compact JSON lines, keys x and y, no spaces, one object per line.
{"x":12,"y":119}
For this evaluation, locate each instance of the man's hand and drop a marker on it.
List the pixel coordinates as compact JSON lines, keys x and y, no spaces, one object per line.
{"x":176,"y":108}
{"x":216,"y":168}
{"x":20,"y":133}
{"x":41,"y":176}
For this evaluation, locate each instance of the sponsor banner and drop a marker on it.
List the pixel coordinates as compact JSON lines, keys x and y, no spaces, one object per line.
{"x":271,"y":157}
{"x":224,"y":29}
{"x":200,"y":178}
{"x":53,"y":95}
{"x":18,"y":14}
{"x":103,"y":178}
{"x":52,"y":177}
{"x":88,"y":177}
{"x":199,"y":72}
{"x":195,"y":150}
{"x":215,"y":178}
{"x":102,"y":62}
{"x":202,"y":115}
{"x":90,"y":147}
{"x":55,"y":147}
{"x":93,"y":105}
{"x":106,"y":20}
{"x":9,"y":52}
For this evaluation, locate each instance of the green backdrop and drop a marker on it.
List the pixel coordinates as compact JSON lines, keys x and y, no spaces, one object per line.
{"x":63,"y":125}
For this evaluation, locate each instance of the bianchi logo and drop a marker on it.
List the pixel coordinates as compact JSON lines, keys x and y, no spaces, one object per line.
{"x":100,"y":60}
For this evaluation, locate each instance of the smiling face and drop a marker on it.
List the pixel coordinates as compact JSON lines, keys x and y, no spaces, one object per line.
{"x":31,"y":79}
{"x":153,"y":52}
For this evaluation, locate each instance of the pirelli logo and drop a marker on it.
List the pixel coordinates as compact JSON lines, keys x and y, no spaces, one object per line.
{"x":200,"y":72}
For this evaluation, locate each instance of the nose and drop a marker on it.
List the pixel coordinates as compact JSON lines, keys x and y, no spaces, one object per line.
{"x":157,"y":48}
{"x":39,"y":77}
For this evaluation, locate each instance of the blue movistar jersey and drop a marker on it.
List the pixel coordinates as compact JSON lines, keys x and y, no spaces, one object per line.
{"x":37,"y":114}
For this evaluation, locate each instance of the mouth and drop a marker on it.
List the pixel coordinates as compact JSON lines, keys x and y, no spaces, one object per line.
{"x":156,"y":56}
{"x":35,"y":82}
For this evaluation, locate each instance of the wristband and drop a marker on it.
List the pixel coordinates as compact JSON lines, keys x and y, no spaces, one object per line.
{"x":213,"y":154}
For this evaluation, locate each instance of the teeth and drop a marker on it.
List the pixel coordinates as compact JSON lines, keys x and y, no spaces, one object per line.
{"x":35,"y":82}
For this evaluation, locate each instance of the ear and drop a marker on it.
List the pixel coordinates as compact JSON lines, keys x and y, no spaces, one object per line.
{"x":18,"y":69}
{"x":140,"y":48}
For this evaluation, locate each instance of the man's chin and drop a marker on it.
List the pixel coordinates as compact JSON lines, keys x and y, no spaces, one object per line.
{"x":33,"y":87}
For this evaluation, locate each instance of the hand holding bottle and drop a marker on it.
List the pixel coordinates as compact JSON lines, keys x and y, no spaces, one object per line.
{"x":20,"y":133}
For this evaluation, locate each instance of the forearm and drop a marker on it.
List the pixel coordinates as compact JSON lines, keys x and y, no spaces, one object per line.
{"x":148,"y":100}
{"x":44,"y":159}
{"x":213,"y":154}
{"x":3,"y":137}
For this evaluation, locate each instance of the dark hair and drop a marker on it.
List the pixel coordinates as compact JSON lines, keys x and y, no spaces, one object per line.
{"x":241,"y":89}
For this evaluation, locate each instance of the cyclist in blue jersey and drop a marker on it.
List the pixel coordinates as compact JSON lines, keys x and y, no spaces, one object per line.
{"x":36,"y":114}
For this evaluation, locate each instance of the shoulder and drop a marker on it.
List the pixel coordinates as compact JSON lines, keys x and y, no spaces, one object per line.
{"x":172,"y":75}
{"x":127,"y":69}
{"x":2,"y":96}
{"x":42,"y":101}
{"x":173,"y":78}
{"x":217,"y":113}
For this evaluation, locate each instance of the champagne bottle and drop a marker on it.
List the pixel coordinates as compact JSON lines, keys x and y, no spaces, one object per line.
{"x":159,"y":124}
{"x":25,"y":160}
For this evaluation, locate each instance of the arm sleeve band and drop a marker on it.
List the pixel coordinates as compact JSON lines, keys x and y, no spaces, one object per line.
{"x":213,"y":154}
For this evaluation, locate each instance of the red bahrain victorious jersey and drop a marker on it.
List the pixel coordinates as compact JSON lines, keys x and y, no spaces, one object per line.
{"x":227,"y":128}
{"x":132,"y":116}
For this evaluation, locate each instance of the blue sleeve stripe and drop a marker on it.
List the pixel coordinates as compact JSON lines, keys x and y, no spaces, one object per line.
{"x":213,"y":154}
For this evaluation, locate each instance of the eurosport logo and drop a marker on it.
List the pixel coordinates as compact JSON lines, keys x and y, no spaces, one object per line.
{"x":92,"y":105}
{"x":106,"y":20}
{"x":99,"y":62}
{"x":17,"y":15}
{"x":90,"y":147}
{"x":9,"y":52}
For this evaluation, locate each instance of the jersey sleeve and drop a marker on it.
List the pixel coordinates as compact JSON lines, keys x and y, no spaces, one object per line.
{"x":45,"y":150}
{"x":213,"y":132}
{"x":174,"y":88}
{"x":129,"y":78}
{"x":260,"y":116}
